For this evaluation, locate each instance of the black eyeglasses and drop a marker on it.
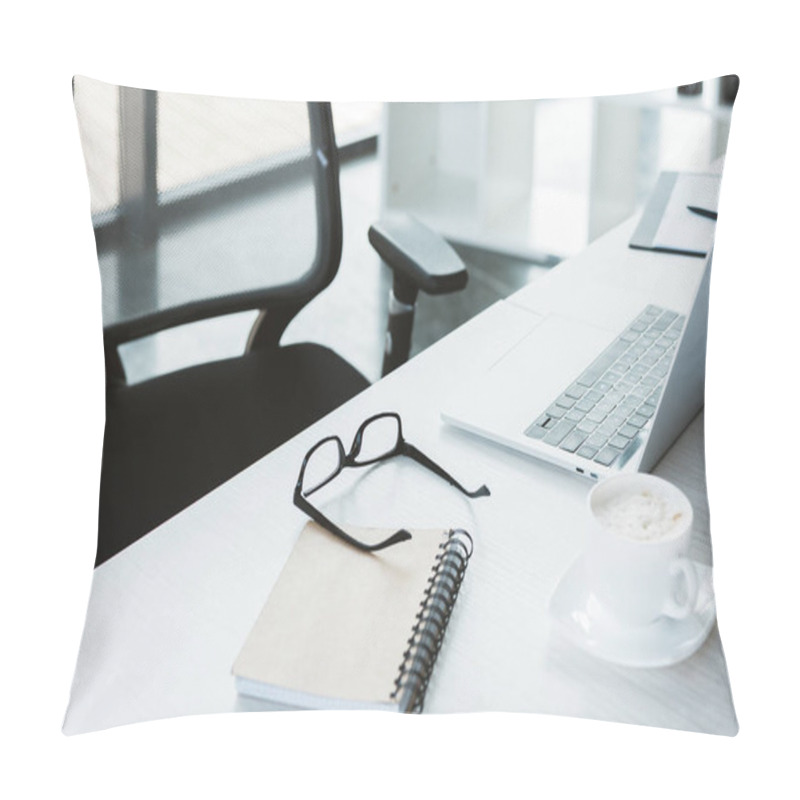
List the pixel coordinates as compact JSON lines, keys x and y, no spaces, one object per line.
{"x":379,"y":438}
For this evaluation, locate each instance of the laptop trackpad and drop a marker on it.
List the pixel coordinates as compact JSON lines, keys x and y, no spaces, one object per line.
{"x":527,"y":379}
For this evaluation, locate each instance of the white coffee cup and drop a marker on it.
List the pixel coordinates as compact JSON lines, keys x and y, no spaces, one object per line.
{"x":635,"y":557}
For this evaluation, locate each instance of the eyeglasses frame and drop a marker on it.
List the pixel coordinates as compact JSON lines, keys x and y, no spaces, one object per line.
{"x":349,"y":459}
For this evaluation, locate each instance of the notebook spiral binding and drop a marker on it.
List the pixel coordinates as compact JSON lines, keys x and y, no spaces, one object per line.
{"x":427,"y":634}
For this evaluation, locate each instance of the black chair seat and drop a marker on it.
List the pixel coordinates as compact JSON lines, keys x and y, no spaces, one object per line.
{"x":173,"y":439}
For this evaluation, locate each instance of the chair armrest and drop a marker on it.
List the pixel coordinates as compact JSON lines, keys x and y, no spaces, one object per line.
{"x":419,"y":257}
{"x":421,"y":260}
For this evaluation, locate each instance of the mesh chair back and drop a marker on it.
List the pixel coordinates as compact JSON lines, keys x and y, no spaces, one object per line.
{"x":207,"y":205}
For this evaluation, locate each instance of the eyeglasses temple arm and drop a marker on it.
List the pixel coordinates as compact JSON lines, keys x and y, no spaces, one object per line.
{"x":409,"y":450}
{"x":398,"y":536}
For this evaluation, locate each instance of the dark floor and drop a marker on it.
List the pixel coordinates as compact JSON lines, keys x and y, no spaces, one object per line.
{"x":350,"y":316}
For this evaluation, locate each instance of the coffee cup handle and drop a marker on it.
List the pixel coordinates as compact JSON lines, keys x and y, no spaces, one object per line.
{"x":684,"y":567}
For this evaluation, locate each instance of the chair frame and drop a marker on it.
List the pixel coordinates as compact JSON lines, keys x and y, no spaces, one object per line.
{"x":276,"y":305}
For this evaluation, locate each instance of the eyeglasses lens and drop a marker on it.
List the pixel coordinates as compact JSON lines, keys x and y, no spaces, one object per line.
{"x":379,"y":439}
{"x":322,"y":465}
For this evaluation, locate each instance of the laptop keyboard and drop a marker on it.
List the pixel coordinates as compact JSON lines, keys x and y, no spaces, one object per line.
{"x":601,"y":415}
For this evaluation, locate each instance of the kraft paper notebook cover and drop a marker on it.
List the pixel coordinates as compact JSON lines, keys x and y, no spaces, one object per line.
{"x":343,"y":628}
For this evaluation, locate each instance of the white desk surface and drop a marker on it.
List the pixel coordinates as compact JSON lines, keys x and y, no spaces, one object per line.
{"x":168,"y":615}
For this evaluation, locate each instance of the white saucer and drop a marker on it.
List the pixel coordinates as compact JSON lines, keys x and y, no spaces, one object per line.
{"x":659,"y":644}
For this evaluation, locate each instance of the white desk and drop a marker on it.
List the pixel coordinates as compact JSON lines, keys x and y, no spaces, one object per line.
{"x":168,"y":615}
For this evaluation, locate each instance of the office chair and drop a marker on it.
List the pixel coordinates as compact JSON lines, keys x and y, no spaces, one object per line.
{"x":171,"y":439}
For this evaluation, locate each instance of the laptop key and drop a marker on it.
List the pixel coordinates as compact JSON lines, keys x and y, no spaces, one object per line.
{"x":660,"y":370}
{"x":586,"y":451}
{"x":607,"y":456}
{"x":608,"y":426}
{"x":619,"y":442}
{"x":559,"y":432}
{"x":541,"y":426}
{"x":572,"y":442}
{"x":589,"y":377}
{"x":576,"y":391}
{"x":536,"y":432}
{"x":597,"y":440}
{"x":668,"y":316}
{"x":565,"y":402}
{"x":617,"y":418}
{"x":595,"y":416}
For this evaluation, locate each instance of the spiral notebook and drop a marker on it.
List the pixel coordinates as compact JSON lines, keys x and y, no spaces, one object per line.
{"x":347,"y":629}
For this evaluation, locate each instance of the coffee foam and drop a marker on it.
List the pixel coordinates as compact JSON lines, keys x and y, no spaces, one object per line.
{"x":642,"y":515}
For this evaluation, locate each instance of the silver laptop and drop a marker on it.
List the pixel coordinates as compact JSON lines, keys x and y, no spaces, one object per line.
{"x":594,"y":396}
